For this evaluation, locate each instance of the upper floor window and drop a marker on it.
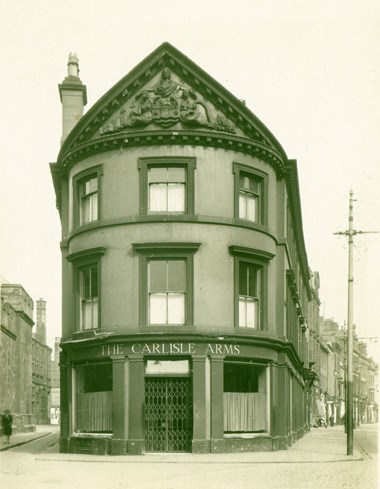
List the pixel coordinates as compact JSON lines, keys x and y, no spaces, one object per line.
{"x":250,"y":194}
{"x":249,"y":294}
{"x":86,"y":196}
{"x":88,"y":200}
{"x":166,"y":283}
{"x":166,"y":185}
{"x":167,"y":291}
{"x":167,"y":189}
{"x":89,"y":297}
{"x":249,"y":197}
{"x":86,"y":288}
{"x":250,"y":286}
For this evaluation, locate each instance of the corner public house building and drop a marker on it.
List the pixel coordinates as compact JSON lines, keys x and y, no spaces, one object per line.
{"x":185,"y":276}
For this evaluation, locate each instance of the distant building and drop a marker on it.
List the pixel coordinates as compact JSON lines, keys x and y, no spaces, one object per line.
{"x":365,"y":372}
{"x":41,"y":358}
{"x":25,"y":359}
{"x":55,"y":401}
{"x":314,"y":356}
{"x":16,"y":355}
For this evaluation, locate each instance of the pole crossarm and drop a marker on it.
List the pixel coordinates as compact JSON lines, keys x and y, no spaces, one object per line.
{"x":354,"y":232}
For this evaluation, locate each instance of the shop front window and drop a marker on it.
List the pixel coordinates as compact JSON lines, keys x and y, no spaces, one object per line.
{"x":244,"y":398}
{"x":93,"y":398}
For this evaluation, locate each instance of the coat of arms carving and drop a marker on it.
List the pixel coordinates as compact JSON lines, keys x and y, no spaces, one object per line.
{"x":166,"y":103}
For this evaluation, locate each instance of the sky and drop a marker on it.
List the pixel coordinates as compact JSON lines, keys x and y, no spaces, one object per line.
{"x":308,"y":70}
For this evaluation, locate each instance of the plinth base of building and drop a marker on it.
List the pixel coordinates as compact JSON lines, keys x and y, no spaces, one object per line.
{"x":217,"y":446}
{"x":135,"y":447}
{"x":280,"y":443}
{"x":119,"y":447}
{"x":64,"y":445}
{"x":257,"y":444}
{"x":201,"y":446}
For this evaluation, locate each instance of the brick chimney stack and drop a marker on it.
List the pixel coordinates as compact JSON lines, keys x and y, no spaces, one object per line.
{"x":73,"y":96}
{"x":41,"y":321}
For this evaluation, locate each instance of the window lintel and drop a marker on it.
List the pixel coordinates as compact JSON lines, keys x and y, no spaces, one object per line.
{"x":168,"y":161}
{"x":240,"y":167}
{"x":155,"y":249}
{"x":94,"y":253}
{"x":251,"y":253}
{"x":86,"y":173}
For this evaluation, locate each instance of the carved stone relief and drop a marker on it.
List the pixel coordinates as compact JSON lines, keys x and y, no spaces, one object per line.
{"x":167,"y":103}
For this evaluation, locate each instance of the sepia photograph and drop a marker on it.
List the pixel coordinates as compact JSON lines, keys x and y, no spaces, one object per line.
{"x":189,"y":244}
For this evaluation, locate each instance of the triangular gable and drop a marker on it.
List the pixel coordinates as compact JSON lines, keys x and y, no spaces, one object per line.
{"x":168,"y":91}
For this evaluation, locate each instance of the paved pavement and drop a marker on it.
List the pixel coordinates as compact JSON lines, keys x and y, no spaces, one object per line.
{"x":19,"y":439}
{"x":317,"y":461}
{"x":319,"y":445}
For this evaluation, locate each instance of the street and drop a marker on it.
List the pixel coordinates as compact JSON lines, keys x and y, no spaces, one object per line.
{"x":317,"y":460}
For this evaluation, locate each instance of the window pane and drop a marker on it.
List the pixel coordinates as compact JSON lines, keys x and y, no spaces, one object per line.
{"x":242,"y":206}
{"x":242,"y":378}
{"x":86,"y":284}
{"x":158,"y":197}
{"x":242,"y":313}
{"x":97,"y":378}
{"x":176,"y":197}
{"x":247,"y":312}
{"x":251,"y":306}
{"x":91,"y":186}
{"x":159,"y":174}
{"x":243,"y":275}
{"x":176,"y":174}
{"x":176,"y":308}
{"x":176,"y":276}
{"x":158,"y":276}
{"x":94,"y":207}
{"x":244,"y":182}
{"x":85,"y":210}
{"x":94,"y":282}
{"x":157,"y":308}
{"x":252,"y":281}
{"x":87,"y":314}
{"x":251,"y":207}
{"x":248,"y":279}
{"x":95,"y":313}
{"x":249,"y":183}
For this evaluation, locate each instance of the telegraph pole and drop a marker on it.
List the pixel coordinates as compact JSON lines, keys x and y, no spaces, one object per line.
{"x":350,"y":340}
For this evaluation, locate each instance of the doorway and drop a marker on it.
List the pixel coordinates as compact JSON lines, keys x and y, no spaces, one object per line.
{"x":168,"y":414}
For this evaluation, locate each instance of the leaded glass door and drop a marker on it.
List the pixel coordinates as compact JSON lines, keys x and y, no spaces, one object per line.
{"x":168,"y":414}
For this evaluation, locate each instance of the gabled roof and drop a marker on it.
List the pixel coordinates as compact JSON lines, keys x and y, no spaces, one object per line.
{"x":232,"y":124}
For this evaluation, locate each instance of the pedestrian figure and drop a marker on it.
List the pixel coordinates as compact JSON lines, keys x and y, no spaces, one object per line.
{"x":331,"y":419}
{"x":322,"y":422}
{"x":6,"y":422}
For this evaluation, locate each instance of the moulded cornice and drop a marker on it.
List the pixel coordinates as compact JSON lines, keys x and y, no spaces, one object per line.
{"x":121,"y":140}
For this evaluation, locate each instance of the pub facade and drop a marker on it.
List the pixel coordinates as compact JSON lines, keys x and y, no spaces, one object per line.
{"x":184,"y":269}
